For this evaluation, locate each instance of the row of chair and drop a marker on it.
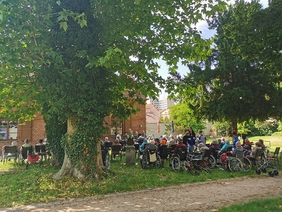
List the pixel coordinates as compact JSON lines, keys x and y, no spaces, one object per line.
{"x":14,"y":152}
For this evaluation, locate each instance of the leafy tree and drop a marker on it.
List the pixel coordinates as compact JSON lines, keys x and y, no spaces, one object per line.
{"x":223,"y":128}
{"x":262,"y":39}
{"x":184,"y":118}
{"x":86,"y":59}
{"x":228,"y":86}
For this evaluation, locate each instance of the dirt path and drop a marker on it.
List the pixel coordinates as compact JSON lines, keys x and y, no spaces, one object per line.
{"x":188,"y":197}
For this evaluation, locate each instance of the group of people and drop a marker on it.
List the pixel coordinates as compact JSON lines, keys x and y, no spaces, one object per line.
{"x":26,"y":144}
{"x":225,"y":148}
{"x":191,"y":140}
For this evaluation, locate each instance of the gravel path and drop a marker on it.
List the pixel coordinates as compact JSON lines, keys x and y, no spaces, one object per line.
{"x":206,"y":196}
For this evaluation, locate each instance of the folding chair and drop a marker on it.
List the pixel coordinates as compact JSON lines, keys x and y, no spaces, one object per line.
{"x":116,"y":150}
{"x":10,"y":152}
{"x":275,"y":155}
{"x":41,"y":151}
{"x":29,"y":156}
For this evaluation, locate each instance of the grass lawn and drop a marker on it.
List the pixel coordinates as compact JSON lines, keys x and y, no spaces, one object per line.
{"x":19,"y":186}
{"x":270,"y":141}
{"x":265,"y":205}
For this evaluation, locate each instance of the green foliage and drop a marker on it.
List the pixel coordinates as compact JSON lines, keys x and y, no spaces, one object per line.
{"x":184,"y":117}
{"x":243,"y":128}
{"x":227,"y":85}
{"x":258,"y":41}
{"x":86,"y":59}
{"x":55,"y":132}
{"x":264,"y":205}
{"x":164,"y":119}
{"x":267,"y":127}
{"x":223,"y":128}
{"x":279,"y":128}
{"x":250,"y":128}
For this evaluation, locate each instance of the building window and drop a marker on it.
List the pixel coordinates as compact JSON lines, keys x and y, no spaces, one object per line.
{"x":116,"y":126}
{"x":8,"y":129}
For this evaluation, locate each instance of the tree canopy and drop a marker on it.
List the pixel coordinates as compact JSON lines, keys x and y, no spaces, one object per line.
{"x":85,"y":59}
{"x":234,"y":83}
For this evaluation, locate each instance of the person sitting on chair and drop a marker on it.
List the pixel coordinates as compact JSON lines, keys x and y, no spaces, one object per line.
{"x":39,"y":149}
{"x":16,"y":155}
{"x":27,"y":144}
{"x":157,"y":142}
{"x":172,"y":142}
{"x":116,"y":143}
{"x":262,"y":144}
{"x":224,"y":147}
{"x":151,"y":145}
{"x":255,"y":148}
{"x":238,"y":148}
{"x":179,"y":145}
{"x":202,"y":147}
{"x":143,"y":145}
{"x":214,"y":145}
{"x":221,"y":142}
{"x":28,"y":150}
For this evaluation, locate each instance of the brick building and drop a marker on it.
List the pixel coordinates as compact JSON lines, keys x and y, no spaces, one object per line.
{"x":35,"y":129}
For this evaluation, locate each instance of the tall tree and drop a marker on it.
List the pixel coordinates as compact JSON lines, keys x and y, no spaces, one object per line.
{"x":228,"y":86}
{"x":86,"y":59}
{"x":261,"y":44}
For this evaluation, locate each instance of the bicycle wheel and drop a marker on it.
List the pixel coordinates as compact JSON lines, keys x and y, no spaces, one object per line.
{"x":188,"y":165}
{"x":262,"y":163}
{"x":144,"y":161}
{"x":176,"y":164}
{"x":235,"y":165}
{"x":158,"y":162}
{"x":212,"y":162}
{"x":247,"y":164}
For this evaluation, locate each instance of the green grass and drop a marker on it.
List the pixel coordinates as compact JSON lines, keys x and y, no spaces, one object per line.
{"x":270,"y":141}
{"x":265,"y":205}
{"x":19,"y":186}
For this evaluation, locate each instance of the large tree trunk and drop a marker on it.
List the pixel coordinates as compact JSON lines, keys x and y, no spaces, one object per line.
{"x":234,"y":126}
{"x":70,"y":170}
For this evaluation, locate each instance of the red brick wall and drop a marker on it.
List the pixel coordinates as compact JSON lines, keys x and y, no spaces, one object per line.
{"x":38,"y":130}
{"x":136,"y":122}
{"x":32,"y":130}
{"x":35,"y":130}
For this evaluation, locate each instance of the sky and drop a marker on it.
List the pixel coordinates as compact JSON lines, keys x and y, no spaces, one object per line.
{"x":206,"y":33}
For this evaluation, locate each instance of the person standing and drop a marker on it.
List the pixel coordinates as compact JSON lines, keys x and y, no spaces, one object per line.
{"x":235,"y":139}
{"x":191,"y":140}
{"x":186,"y":138}
{"x":201,"y":138}
{"x":136,"y":134}
{"x":143,"y":134}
